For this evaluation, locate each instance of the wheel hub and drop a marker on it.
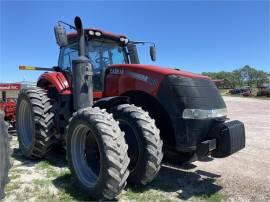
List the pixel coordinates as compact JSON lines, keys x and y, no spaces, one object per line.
{"x":25,"y":123}
{"x":86,"y":155}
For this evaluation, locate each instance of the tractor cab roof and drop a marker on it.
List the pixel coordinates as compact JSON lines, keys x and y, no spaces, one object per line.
{"x":95,"y":33}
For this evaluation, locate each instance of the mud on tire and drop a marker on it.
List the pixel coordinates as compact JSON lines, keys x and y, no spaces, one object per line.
{"x":35,"y":122}
{"x":97,"y":153}
{"x":4,"y":154}
{"x":145,"y":145}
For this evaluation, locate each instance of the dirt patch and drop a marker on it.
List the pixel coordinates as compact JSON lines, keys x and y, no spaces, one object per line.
{"x":243,"y":176}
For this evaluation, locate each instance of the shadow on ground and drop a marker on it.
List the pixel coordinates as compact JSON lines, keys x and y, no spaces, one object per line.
{"x":177,"y":180}
{"x":186,"y":181}
{"x":187,"y":184}
{"x":65,"y":184}
{"x":55,"y":158}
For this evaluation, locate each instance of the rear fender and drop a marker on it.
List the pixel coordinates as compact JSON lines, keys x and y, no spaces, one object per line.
{"x":57,"y":80}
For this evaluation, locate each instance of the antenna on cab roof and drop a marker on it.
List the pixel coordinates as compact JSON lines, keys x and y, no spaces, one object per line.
{"x":69,"y":25}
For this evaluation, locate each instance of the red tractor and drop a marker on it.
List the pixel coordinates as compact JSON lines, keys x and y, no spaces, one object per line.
{"x":116,"y":117}
{"x":8,"y":106}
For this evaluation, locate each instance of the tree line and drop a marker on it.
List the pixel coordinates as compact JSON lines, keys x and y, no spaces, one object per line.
{"x":240,"y":77}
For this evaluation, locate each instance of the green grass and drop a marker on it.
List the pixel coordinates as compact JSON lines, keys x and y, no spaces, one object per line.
{"x":49,"y":170}
{"x":146,"y":195}
{"x":54,"y":183}
{"x":16,"y":171}
{"x":52,"y":173}
{"x":67,"y":190}
{"x":15,"y":176}
{"x":16,"y":192}
{"x":46,"y":195}
{"x":41,"y":182}
{"x":217,"y":197}
{"x":12,"y":187}
{"x":43,"y":165}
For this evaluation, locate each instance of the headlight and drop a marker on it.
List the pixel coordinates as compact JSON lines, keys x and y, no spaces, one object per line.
{"x":204,"y":113}
{"x":97,"y":33}
{"x":91,"y":32}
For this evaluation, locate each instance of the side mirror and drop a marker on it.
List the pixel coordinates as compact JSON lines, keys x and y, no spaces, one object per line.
{"x":153,"y":53}
{"x":133,"y":53}
{"x":60,"y":35}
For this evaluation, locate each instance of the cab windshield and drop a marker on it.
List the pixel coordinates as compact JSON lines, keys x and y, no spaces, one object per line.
{"x":101,"y":54}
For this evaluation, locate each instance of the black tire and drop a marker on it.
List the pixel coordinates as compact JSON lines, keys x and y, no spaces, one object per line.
{"x":97,"y":153}
{"x":145,"y":145}
{"x":4,"y":154}
{"x":178,"y":158}
{"x":35,"y":122}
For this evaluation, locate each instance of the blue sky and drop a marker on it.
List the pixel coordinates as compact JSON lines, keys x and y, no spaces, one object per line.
{"x":192,"y":35}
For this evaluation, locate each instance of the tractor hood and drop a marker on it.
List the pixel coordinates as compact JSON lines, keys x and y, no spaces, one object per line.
{"x":157,"y":70}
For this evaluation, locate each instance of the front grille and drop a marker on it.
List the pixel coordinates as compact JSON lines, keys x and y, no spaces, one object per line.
{"x":177,"y":93}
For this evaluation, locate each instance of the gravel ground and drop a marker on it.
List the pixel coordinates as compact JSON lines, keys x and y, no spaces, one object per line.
{"x":244,"y":176}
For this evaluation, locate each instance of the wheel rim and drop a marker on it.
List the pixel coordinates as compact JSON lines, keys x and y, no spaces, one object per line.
{"x":25,"y":123}
{"x":85,"y":154}
{"x":131,"y":138}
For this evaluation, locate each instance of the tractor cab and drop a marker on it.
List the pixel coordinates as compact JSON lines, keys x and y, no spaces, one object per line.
{"x":102,"y":49}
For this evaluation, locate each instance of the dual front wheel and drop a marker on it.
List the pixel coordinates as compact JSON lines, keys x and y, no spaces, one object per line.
{"x":104,"y":150}
{"x":97,"y":153}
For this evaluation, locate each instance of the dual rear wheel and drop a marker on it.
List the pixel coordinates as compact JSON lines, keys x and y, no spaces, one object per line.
{"x":144,"y":143}
{"x":104,"y":150}
{"x":35,"y":122}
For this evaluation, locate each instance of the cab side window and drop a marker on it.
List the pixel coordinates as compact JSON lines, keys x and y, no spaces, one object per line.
{"x":68,"y":54}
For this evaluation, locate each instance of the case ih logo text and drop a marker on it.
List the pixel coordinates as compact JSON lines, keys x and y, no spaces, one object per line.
{"x":116,"y":71}
{"x":135,"y":75}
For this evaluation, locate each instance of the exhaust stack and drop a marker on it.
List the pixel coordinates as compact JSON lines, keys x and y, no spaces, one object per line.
{"x":82,"y":85}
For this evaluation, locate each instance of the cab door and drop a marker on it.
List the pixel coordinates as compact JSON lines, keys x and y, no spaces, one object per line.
{"x":69,"y":53}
